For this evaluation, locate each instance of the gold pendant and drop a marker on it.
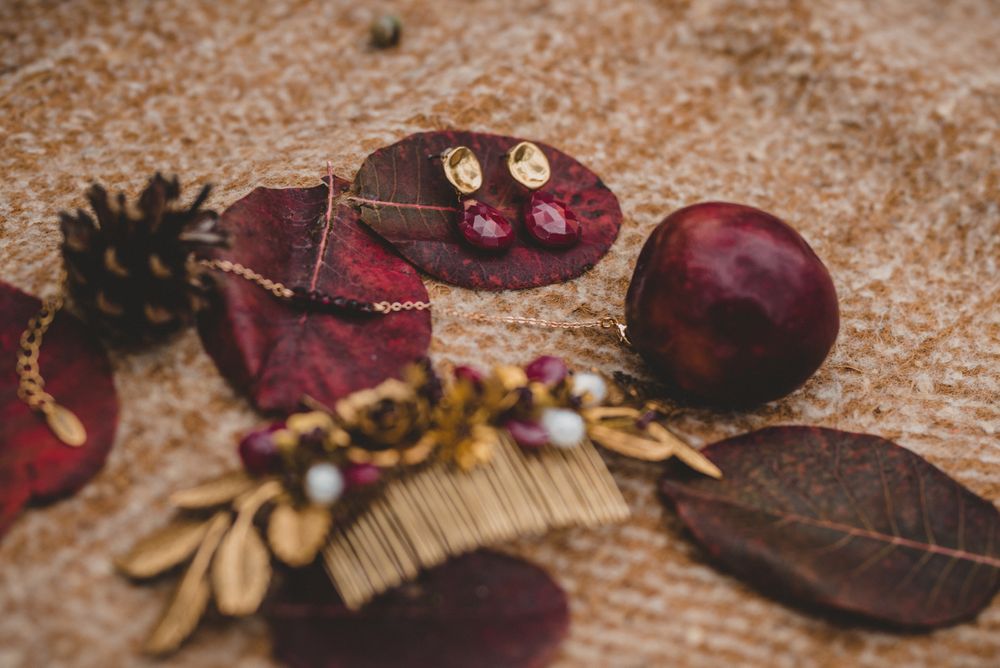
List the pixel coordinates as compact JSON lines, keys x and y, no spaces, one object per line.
{"x":65,"y":425}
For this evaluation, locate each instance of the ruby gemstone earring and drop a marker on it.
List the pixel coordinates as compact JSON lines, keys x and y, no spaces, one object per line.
{"x":482,"y":226}
{"x":548,"y":220}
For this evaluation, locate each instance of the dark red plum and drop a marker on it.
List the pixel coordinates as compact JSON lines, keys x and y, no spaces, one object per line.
{"x":730,"y":306}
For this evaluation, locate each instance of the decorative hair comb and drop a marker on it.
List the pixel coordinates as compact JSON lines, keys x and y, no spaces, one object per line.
{"x":399,"y":478}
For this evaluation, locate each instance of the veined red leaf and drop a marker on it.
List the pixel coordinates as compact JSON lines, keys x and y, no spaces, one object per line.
{"x":483,"y":609}
{"x":34,"y":464}
{"x":276,"y":352}
{"x":404,"y":196}
{"x":846,"y":521}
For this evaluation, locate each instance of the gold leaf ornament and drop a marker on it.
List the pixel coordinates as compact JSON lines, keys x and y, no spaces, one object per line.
{"x":684,"y":452}
{"x":164,"y":549}
{"x":304,"y":423}
{"x":387,"y":423}
{"x":190,"y":599}
{"x":477,"y":449}
{"x":614,"y":428}
{"x":215,"y":492}
{"x":241,"y":571}
{"x":297,"y":534}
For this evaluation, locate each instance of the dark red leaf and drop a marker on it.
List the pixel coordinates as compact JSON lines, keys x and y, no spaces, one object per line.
{"x":405,"y":197}
{"x":846,"y":521}
{"x":482,"y":609}
{"x":276,"y":352}
{"x":15,"y":491}
{"x":34,"y":464}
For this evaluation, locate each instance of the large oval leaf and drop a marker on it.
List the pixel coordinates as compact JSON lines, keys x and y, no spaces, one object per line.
{"x":483,"y":609}
{"x":34,"y":464}
{"x":846,"y":521}
{"x":404,"y":196}
{"x":275,"y":352}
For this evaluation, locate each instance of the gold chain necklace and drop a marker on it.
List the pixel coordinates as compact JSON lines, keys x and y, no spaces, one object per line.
{"x":68,"y":428}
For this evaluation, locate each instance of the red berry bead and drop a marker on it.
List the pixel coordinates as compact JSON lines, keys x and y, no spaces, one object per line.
{"x":547,"y":369}
{"x":730,"y":306}
{"x":484,"y":227}
{"x":361,"y":475}
{"x":550,"y":222}
{"x":260,"y":453}
{"x":529,"y":435}
{"x":469,"y":374}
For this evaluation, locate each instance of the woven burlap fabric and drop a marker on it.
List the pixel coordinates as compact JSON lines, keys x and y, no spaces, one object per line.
{"x":871,"y":126}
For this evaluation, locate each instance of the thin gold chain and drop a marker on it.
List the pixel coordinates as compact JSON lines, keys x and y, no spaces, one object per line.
{"x":606,"y":322}
{"x":68,"y":428}
{"x":225,"y":266}
{"x":31,"y":384}
{"x":396,"y":307}
{"x":283,"y":292}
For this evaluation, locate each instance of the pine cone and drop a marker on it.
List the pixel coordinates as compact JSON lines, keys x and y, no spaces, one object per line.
{"x":130,"y":271}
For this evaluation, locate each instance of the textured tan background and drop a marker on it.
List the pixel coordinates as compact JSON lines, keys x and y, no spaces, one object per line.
{"x":871,"y":126}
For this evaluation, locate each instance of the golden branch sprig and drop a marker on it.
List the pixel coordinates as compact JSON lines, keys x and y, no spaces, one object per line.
{"x":228,"y":531}
{"x":218,"y":535}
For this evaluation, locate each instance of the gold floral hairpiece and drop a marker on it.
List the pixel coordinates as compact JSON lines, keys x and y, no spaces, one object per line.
{"x":398,"y":478}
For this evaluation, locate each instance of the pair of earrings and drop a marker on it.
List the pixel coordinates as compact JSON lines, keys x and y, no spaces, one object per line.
{"x":547,"y":220}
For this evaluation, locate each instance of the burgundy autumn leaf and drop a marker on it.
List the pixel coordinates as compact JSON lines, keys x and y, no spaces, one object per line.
{"x":846,"y":521}
{"x":404,"y":196}
{"x":34,"y":464}
{"x":482,"y":609}
{"x":275,"y":351}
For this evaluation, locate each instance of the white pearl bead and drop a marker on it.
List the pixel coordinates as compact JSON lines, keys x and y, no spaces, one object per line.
{"x":564,"y":427}
{"x":590,"y":384}
{"x":324,"y":484}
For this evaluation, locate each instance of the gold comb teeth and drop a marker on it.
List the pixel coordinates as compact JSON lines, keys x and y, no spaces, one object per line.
{"x":399,"y":478}
{"x":439,"y":513}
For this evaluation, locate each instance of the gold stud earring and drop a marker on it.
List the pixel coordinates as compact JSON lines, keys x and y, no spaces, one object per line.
{"x":548,"y":220}
{"x":481,"y":226}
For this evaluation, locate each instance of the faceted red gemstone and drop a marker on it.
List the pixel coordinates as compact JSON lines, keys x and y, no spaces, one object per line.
{"x":484,"y":227}
{"x":550,"y":222}
{"x":547,"y":369}
{"x":260,"y":453}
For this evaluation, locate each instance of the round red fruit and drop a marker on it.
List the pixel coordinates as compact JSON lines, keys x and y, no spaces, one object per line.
{"x":730,"y":306}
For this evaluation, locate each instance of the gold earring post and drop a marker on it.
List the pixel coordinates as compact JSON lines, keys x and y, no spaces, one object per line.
{"x":462,"y":169}
{"x":528,"y":165}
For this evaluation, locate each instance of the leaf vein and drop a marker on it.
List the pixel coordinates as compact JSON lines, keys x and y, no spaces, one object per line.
{"x":939,"y":584}
{"x":376,"y":204}
{"x":922,"y":496}
{"x":975,"y":557}
{"x":914,"y":570}
{"x":855,"y":506}
{"x":887,"y":495}
{"x":328,"y":218}
{"x":879,"y":555}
